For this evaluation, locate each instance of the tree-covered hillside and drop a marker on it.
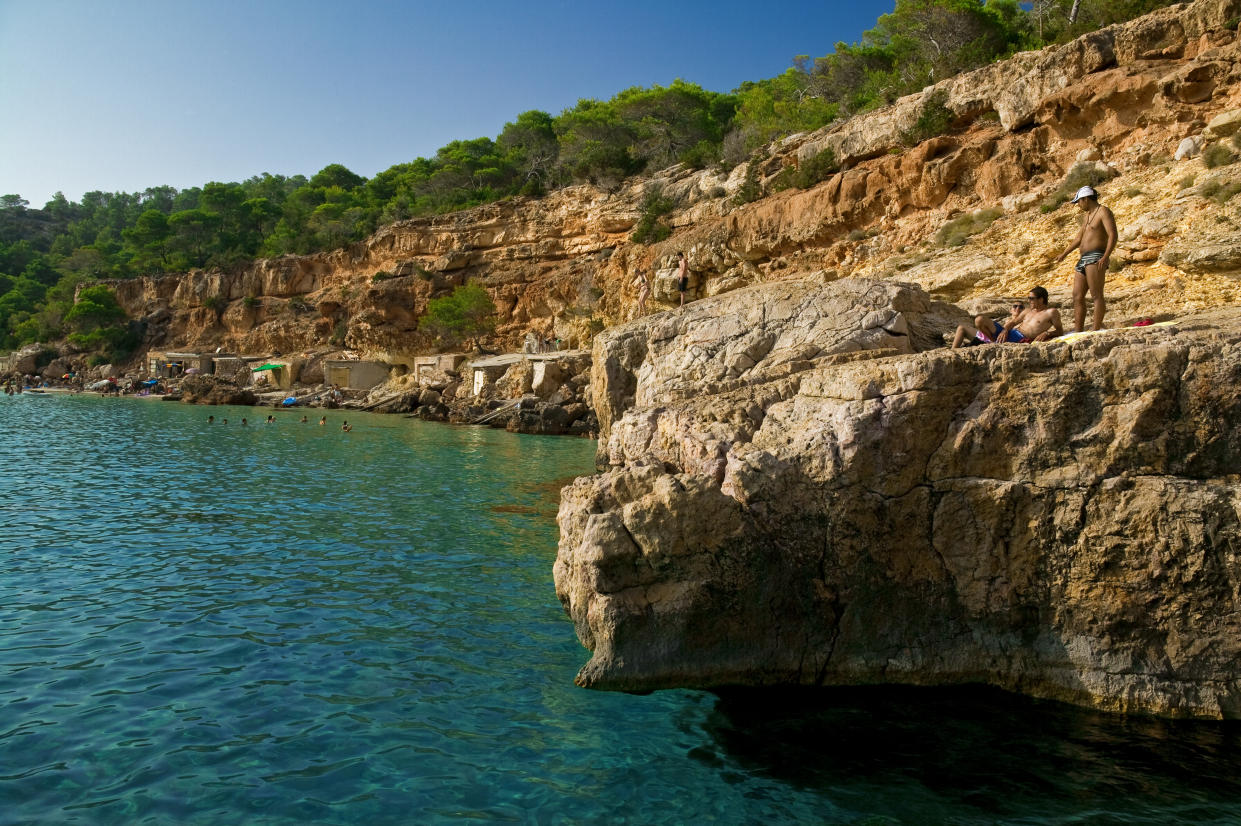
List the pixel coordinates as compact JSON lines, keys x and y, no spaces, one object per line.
{"x":46,"y":253}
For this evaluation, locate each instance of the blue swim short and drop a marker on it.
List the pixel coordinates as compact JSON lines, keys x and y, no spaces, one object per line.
{"x":1013,"y":337}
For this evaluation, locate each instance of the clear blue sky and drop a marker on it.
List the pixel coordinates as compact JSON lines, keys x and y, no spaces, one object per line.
{"x":121,"y":95}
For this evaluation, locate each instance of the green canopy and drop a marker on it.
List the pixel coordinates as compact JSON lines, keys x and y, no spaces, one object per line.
{"x":268,"y":367}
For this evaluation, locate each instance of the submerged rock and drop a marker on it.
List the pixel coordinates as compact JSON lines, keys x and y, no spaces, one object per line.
{"x":1061,"y":520}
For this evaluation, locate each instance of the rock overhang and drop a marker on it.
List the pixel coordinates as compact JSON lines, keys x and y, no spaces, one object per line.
{"x":996,"y":514}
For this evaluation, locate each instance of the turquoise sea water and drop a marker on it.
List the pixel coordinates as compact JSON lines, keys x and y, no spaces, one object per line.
{"x":290,"y":624}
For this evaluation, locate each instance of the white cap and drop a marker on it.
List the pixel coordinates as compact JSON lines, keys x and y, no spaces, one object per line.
{"x":1084,"y":192}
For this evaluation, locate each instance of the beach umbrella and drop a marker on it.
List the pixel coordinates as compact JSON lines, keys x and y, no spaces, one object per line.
{"x":290,"y":401}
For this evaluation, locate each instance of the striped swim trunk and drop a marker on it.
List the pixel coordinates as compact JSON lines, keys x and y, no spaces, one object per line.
{"x":1088,"y":258}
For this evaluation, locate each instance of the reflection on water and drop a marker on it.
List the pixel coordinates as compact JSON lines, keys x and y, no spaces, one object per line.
{"x":977,"y":755}
{"x":287,"y":624}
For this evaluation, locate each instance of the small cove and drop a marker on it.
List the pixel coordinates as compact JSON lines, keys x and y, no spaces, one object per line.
{"x":288,"y":624}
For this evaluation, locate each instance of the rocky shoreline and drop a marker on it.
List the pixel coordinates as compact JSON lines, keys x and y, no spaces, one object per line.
{"x":798,"y":493}
{"x":555,"y":403}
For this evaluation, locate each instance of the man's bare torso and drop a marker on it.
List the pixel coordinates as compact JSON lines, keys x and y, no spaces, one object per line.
{"x":1094,"y":233}
{"x":1033,"y":323}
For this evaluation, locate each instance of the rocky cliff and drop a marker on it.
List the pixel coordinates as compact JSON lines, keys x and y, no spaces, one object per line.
{"x":800,"y":490}
{"x":794,"y":496}
{"x":1121,"y":101}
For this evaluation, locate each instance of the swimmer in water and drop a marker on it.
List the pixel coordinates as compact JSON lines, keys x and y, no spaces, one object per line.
{"x":346,"y":427}
{"x":323,"y":421}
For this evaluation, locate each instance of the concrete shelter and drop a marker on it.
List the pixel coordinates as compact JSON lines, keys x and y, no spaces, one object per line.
{"x":427,"y":367}
{"x":173,"y":363}
{"x":354,"y":375}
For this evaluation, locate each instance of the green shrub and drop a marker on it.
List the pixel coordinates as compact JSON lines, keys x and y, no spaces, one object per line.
{"x":934,"y":119}
{"x":807,"y":173}
{"x":1133,"y":192}
{"x":215,"y":303}
{"x":651,"y":227}
{"x":95,"y":307}
{"x":863,"y":234}
{"x":99,"y":324}
{"x":339,"y":333}
{"x":467,"y":313}
{"x":1232,"y":23}
{"x":958,"y":230}
{"x":700,"y":155}
{"x":783,"y":179}
{"x":1221,"y":193}
{"x":115,"y":343}
{"x":819,"y":168}
{"x":250,"y":301}
{"x":1217,"y":154}
{"x":382,"y":275}
{"x":751,"y":188}
{"x":1187,"y":182}
{"x":1082,"y":174}
{"x":717,"y":192}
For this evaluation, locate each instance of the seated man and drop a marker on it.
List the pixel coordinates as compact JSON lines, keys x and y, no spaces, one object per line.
{"x":1038,"y":322}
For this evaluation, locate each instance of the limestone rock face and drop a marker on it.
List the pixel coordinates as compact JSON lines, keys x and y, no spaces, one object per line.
{"x":1224,"y":124}
{"x":1061,"y":519}
{"x":214,"y":390}
{"x":1212,"y":252}
{"x":753,"y":335}
{"x":563,"y":266}
{"x":1017,"y":88}
{"x":26,"y":360}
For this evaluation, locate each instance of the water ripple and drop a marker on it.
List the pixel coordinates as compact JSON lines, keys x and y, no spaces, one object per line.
{"x":287,"y":624}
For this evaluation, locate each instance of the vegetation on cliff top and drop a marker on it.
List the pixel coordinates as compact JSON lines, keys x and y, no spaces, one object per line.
{"x":464,"y":315}
{"x":46,"y":253}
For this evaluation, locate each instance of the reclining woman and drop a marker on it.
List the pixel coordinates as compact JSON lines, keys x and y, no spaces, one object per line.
{"x":1038,"y":322}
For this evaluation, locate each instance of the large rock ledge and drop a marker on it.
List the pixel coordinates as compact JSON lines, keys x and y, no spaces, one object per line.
{"x":1061,"y":520}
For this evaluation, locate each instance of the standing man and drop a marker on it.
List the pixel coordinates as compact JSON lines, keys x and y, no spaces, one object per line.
{"x":1096,"y":240}
{"x":682,"y":275}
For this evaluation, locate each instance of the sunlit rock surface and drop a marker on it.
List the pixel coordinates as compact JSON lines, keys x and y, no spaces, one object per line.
{"x":1061,"y":519}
